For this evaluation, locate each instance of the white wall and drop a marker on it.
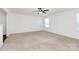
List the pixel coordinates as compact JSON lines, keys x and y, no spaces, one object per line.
{"x":64,"y":23}
{"x":3,"y":20}
{"x":17,"y":23}
{"x":1,"y":35}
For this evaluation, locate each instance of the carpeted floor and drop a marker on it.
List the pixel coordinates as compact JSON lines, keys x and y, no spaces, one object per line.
{"x":39,"y":41}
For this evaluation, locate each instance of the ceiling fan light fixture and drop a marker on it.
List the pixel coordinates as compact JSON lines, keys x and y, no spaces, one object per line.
{"x":40,"y":12}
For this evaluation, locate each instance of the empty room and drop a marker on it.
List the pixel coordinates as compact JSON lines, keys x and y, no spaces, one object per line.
{"x":39,"y":29}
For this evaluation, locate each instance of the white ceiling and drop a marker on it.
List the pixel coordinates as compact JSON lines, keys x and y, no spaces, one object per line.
{"x":29,"y":11}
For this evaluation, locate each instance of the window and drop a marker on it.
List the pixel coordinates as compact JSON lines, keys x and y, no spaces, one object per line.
{"x":46,"y":22}
{"x":77,"y":22}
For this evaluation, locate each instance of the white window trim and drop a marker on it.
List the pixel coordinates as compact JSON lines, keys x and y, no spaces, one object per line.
{"x":77,"y":22}
{"x":46,"y":22}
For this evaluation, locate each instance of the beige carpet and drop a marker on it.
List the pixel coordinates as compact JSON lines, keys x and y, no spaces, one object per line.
{"x":39,"y":41}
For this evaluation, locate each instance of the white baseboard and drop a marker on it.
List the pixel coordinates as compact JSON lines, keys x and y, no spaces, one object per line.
{"x":63,"y":35}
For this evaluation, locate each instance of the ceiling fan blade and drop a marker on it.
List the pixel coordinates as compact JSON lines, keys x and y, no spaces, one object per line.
{"x":41,"y":10}
{"x":46,"y":10}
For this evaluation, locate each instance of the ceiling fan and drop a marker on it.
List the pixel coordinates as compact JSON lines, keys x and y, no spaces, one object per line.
{"x":41,"y":11}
